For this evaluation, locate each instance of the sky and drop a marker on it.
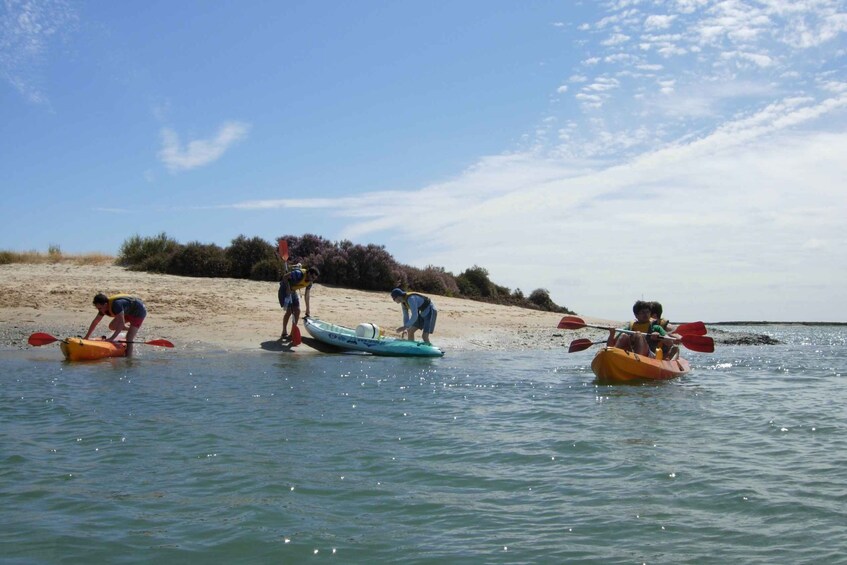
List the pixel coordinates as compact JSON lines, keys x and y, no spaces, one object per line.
{"x":692,"y":152}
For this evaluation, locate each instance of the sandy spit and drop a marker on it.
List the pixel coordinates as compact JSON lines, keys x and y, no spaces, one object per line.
{"x":241,"y":315}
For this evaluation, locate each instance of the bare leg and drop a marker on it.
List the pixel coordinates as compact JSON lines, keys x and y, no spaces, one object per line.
{"x":639,"y":345}
{"x":285,"y":324}
{"x":130,"y":337}
{"x":426,"y":337}
{"x":410,"y":334}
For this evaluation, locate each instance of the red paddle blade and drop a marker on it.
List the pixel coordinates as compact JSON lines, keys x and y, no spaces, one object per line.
{"x":41,"y":338}
{"x":571,"y":323}
{"x":580,"y":345}
{"x":282,"y":249}
{"x":159,"y":342}
{"x":296,"y":338}
{"x":691,"y":328}
{"x":701,"y":343}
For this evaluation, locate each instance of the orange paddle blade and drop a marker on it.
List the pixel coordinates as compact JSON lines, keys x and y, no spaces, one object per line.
{"x":41,"y":338}
{"x":571,"y":323}
{"x":282,"y":249}
{"x":296,"y":338}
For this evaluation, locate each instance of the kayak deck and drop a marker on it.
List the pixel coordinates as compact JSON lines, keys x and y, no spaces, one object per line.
{"x":613,"y":365}
{"x":78,"y":349}
{"x":347,"y":339}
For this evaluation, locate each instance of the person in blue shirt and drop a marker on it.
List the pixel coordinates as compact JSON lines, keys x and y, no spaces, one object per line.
{"x":419,"y":313}
{"x":289,"y":299}
{"x":128,"y":313}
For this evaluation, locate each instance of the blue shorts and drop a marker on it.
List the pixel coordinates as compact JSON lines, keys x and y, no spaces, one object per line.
{"x":283,"y":293}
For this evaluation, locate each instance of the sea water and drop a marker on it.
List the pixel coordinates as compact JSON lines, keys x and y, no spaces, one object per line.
{"x":478,"y":457}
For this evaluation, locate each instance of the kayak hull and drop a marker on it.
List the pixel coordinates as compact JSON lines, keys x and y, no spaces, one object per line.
{"x":346,"y":338}
{"x":613,"y":365}
{"x":78,"y":349}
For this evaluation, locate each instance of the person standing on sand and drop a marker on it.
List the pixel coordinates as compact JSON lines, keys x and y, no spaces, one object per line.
{"x":128,"y":313}
{"x":289,"y":299}
{"x":419,"y":313}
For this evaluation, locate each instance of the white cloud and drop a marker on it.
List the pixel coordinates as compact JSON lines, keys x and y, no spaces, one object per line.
{"x":658,"y":22}
{"x":704,"y":225}
{"x":199,"y":152}
{"x":27,"y":28}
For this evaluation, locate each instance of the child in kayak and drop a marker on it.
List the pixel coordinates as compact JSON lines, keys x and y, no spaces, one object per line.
{"x":419,"y":313}
{"x":128,"y":313}
{"x":670,"y":351}
{"x":644,"y":342}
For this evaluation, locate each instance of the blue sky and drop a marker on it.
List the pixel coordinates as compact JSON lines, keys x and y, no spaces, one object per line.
{"x":687,"y":151}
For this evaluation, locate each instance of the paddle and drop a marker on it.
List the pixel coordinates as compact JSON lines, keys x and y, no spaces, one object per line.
{"x":691,"y":328}
{"x":41,"y":338}
{"x":296,"y":338}
{"x":701,"y":343}
{"x":582,"y":344}
{"x":282,"y":249}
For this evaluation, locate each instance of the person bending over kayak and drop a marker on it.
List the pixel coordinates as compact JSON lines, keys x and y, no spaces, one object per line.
{"x":643,"y":343}
{"x":289,"y":299}
{"x":128,"y":313}
{"x":419,"y":313}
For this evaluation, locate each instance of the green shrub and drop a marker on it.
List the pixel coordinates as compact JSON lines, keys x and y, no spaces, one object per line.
{"x":138,"y":251}
{"x":475,"y":282}
{"x":243,"y":254}
{"x":266,"y":270}
{"x":431,"y":279}
{"x":199,"y":260}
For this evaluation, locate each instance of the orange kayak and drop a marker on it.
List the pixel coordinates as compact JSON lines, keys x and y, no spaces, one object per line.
{"x":78,"y":349}
{"x":613,"y":365}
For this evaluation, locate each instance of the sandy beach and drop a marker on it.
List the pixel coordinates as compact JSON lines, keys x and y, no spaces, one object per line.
{"x":239,"y":315}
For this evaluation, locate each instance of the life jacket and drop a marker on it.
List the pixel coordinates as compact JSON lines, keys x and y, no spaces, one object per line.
{"x":647,"y":327}
{"x":303,"y":282}
{"x":426,"y":302}
{"x":133,"y":300}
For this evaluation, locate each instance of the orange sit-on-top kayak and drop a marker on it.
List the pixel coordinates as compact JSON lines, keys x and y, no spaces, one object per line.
{"x":78,"y":349}
{"x":613,"y":365}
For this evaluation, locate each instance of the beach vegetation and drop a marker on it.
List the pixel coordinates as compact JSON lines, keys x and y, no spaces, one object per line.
{"x":150,"y":254}
{"x":54,"y":255}
{"x":342,"y":263}
{"x":243,"y":254}
{"x":199,"y":260}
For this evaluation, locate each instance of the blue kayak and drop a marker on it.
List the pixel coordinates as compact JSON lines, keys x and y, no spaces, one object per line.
{"x":347,"y":338}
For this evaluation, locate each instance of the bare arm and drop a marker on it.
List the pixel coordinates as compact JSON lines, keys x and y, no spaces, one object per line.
{"x":93,"y":325}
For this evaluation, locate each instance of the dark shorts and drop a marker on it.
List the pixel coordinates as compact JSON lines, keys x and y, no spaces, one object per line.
{"x":426,"y":321}
{"x":137,"y":318}
{"x":281,"y":295}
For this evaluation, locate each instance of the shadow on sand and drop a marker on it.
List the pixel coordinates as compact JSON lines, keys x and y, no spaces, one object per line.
{"x":286,"y":347}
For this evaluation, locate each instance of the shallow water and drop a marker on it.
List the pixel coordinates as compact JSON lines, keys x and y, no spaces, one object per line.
{"x":476,"y":457}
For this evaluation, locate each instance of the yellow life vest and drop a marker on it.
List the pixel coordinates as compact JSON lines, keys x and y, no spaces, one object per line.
{"x":304,"y":282}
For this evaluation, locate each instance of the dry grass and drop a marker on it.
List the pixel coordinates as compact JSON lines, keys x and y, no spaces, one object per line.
{"x":54,"y":255}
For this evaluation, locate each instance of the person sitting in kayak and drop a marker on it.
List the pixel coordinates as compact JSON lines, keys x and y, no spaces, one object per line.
{"x":289,"y":298}
{"x":670,"y":351}
{"x":644,"y":342}
{"x":128,"y":313}
{"x":419,"y":313}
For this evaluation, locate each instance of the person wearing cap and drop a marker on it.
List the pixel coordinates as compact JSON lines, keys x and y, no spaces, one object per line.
{"x":419,"y":313}
{"x":289,"y":299}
